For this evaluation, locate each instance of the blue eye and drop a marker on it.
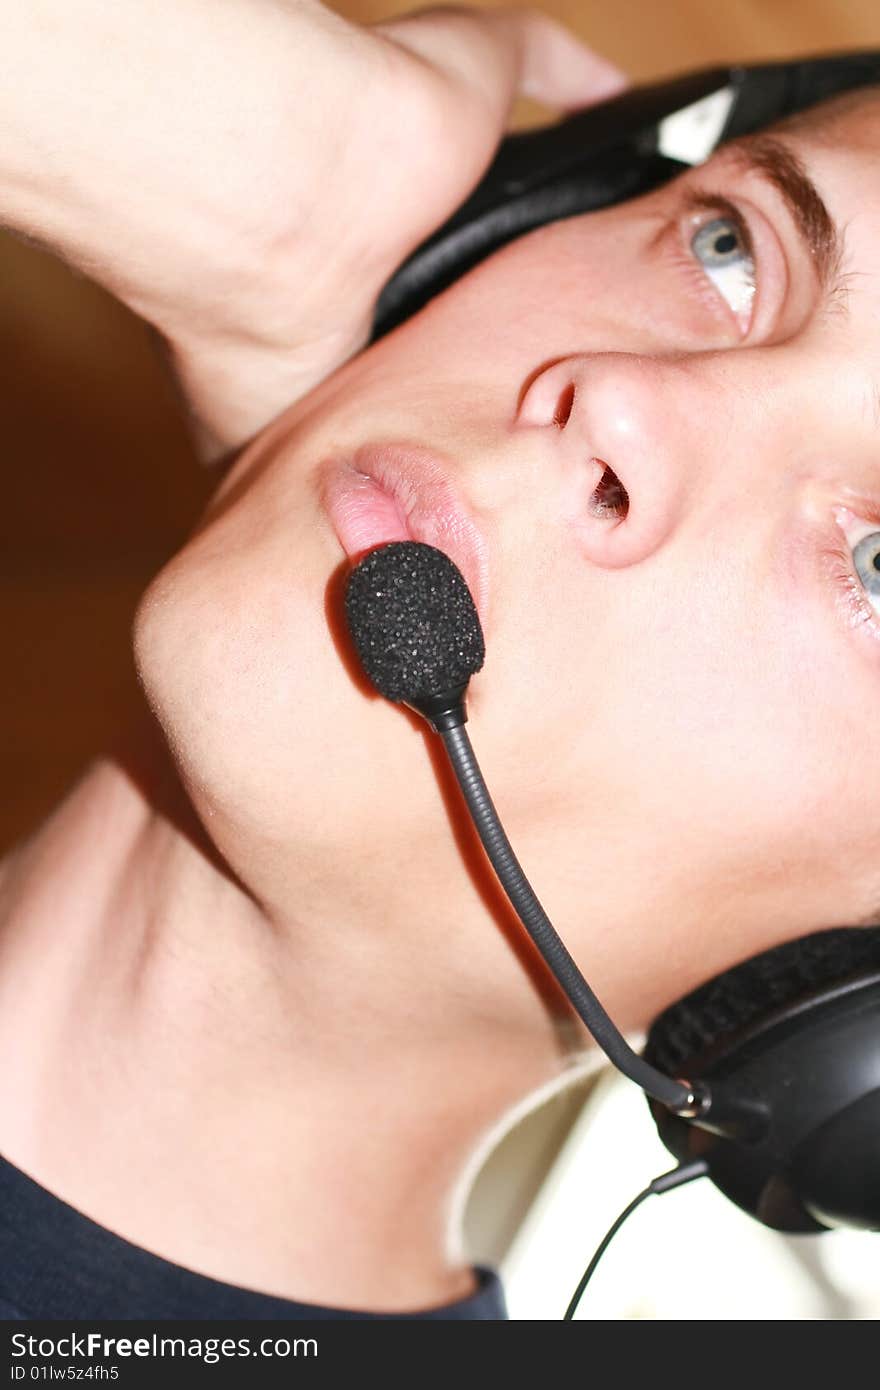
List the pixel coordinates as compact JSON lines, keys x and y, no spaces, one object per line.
{"x":722,"y":248}
{"x":866,"y":557}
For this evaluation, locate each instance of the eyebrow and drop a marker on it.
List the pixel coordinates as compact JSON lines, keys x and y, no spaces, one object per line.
{"x":778,"y":165}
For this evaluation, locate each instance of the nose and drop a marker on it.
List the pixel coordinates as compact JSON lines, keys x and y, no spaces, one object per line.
{"x":621,"y":424}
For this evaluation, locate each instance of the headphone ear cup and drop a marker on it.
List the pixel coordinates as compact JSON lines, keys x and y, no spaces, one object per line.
{"x":797,"y":1028}
{"x":836,"y":1170}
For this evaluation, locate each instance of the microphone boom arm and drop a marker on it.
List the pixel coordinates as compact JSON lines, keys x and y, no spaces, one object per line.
{"x":719,"y":1109}
{"x":677,"y":1095}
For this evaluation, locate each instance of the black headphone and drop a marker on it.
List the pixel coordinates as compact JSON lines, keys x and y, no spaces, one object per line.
{"x":797,"y":1029}
{"x":791,"y":1037}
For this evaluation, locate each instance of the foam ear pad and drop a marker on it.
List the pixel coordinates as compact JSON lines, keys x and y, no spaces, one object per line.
{"x":796,"y":1033}
{"x":721,"y":1008}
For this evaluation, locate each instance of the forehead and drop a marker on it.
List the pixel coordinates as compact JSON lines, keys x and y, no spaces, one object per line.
{"x":854,"y":117}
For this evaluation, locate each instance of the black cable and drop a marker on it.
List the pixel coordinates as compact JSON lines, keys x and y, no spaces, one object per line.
{"x":606,"y":1241}
{"x":686,"y":1172}
{"x":673,"y":1094}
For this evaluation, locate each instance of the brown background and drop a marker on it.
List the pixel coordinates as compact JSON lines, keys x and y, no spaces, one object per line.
{"x":100,"y":483}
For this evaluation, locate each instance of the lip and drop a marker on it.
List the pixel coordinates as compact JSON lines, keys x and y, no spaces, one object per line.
{"x":393,"y":492}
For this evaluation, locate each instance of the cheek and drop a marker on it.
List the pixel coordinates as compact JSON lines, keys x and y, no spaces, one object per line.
{"x":679,"y":702}
{"x":547,"y":295}
{"x":216,"y":658}
{"x":605,"y":280}
{"x":743,"y":730}
{"x":235,"y":654}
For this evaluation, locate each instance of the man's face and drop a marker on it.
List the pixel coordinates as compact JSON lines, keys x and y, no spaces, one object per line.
{"x":651,"y":439}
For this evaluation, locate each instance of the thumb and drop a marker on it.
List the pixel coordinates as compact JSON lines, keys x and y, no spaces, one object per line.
{"x":499,"y":54}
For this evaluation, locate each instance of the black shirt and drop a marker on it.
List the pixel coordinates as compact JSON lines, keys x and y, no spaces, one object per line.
{"x":57,"y":1263}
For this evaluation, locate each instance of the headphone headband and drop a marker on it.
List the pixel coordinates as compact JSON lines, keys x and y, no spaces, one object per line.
{"x":609,"y":153}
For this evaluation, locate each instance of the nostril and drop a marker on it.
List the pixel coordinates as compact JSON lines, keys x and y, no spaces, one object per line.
{"x":609,"y":499}
{"x":562,"y":413}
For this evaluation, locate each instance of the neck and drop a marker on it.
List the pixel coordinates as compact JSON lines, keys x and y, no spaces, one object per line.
{"x":340,"y":1075}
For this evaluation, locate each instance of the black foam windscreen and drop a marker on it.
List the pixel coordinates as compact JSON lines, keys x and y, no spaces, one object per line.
{"x":413,"y":621}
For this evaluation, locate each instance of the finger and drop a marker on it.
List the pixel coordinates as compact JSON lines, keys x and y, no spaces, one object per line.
{"x":499,"y":54}
{"x":558,"y":69}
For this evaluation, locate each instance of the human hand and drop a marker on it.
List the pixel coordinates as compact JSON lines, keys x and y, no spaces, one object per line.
{"x":411,"y":113}
{"x":247,"y":175}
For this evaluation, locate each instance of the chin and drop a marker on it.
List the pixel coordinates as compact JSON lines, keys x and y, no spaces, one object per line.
{"x":281,"y":751}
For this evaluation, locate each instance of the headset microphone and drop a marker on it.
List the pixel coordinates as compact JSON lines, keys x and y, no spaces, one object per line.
{"x":416,"y":630}
{"x":782,"y":1108}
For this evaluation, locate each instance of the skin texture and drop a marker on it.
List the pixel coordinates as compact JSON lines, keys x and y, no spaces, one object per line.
{"x":307,"y":990}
